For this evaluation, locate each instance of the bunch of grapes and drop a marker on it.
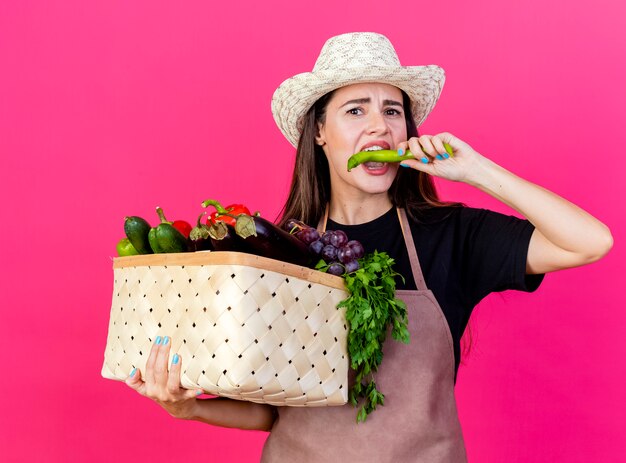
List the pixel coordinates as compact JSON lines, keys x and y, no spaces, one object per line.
{"x":332,"y":246}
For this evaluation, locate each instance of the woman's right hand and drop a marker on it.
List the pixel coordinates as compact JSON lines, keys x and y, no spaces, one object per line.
{"x":163,"y":386}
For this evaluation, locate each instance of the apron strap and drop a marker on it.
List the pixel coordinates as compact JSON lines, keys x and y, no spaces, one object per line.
{"x":416,"y":268}
{"x":418,"y":276}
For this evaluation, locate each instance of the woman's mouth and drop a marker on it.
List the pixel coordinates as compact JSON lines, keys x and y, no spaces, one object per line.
{"x":375,"y":168}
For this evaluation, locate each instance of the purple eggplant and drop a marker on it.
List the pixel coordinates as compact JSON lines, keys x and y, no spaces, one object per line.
{"x":266,"y":239}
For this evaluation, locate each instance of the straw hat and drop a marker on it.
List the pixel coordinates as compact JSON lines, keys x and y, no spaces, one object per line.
{"x":348,"y":59}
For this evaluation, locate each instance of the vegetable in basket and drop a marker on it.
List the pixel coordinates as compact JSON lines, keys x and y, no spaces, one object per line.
{"x":226,"y":214}
{"x":200,"y":236}
{"x":164,"y":238}
{"x":224,"y":238}
{"x":264,"y":238}
{"x":220,"y":226}
{"x":137,"y":230}
{"x":125,"y":248}
{"x":253,"y":234}
{"x":183,"y":227}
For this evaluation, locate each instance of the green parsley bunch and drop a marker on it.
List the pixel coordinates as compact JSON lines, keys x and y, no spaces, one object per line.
{"x":370,"y":309}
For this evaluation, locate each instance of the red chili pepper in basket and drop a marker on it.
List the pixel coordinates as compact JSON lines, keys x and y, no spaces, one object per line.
{"x":226,"y":214}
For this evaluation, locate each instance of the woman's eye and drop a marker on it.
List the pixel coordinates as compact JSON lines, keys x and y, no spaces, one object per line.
{"x":389,"y":112}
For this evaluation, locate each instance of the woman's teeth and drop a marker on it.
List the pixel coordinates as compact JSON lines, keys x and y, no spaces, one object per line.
{"x":374,"y":165}
{"x":373,"y":148}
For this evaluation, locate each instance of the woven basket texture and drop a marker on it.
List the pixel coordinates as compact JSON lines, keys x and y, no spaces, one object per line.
{"x":246,"y":327}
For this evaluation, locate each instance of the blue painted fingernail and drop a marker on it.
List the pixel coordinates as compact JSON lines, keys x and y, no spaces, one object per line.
{"x":425,"y":160}
{"x":199,"y":393}
{"x":132,"y":373}
{"x":400,"y":152}
{"x":175,"y":359}
{"x":158,"y":341}
{"x":165,"y":340}
{"x":440,"y":157}
{"x":446,"y":155}
{"x":402,"y":164}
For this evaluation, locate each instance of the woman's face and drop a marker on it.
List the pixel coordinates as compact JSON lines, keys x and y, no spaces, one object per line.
{"x":360,"y":116}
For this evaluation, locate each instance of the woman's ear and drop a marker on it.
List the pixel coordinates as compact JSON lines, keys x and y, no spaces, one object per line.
{"x":320,"y":138}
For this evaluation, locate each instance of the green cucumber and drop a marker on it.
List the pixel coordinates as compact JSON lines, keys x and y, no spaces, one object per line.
{"x":137,"y":230}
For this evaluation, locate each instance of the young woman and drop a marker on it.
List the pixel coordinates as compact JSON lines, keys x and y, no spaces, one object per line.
{"x":451,"y":256}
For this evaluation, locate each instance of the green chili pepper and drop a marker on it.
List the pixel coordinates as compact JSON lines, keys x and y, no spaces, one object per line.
{"x":385,"y":156}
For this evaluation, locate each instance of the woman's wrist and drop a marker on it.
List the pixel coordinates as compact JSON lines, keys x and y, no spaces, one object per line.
{"x":486,"y":175}
{"x":194,"y":412}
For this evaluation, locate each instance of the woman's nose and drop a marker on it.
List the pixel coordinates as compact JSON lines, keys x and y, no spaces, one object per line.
{"x":377,"y":123}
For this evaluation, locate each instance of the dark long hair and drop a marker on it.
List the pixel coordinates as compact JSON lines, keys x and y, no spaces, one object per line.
{"x":310,"y":186}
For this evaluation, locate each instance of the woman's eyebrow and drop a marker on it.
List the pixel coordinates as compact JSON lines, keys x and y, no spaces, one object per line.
{"x":369,"y":100}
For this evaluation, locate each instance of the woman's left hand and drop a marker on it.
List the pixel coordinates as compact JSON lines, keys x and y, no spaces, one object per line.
{"x":458,"y":167}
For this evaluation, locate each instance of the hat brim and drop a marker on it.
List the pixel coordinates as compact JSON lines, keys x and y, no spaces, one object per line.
{"x":293,"y":98}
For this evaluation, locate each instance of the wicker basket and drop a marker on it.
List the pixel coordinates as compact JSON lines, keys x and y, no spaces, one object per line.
{"x":247,"y":327}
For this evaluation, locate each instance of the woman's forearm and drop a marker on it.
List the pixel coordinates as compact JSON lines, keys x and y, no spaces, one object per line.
{"x":234,"y":414}
{"x":562,"y":223}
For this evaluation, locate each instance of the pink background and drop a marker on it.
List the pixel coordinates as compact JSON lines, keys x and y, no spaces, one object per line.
{"x":110,"y":108}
